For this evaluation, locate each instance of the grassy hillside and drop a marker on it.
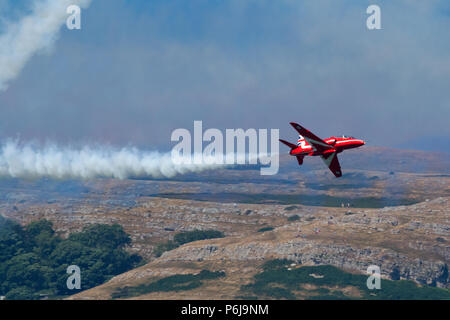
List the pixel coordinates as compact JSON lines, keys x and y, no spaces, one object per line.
{"x":280,"y":280}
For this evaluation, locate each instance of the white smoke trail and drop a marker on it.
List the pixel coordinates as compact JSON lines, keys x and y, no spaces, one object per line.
{"x":33,"y":33}
{"x":28,"y":161}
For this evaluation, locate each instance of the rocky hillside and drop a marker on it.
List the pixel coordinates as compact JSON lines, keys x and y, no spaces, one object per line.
{"x":407,"y":242}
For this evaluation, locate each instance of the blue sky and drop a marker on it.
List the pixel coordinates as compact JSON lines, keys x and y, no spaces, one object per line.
{"x":139,"y":69}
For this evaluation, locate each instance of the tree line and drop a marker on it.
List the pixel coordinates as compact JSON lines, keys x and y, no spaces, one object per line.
{"x":34,"y":259}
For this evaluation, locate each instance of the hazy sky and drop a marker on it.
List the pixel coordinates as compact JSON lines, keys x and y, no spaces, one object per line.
{"x":139,"y":69}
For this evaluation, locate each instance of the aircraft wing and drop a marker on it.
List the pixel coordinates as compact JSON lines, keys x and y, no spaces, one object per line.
{"x":317,"y":143}
{"x":332,"y":162}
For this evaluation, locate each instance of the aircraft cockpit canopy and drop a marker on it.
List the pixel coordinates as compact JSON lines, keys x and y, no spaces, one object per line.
{"x":347,"y":137}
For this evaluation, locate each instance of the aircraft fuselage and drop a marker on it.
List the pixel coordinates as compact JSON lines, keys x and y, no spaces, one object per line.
{"x":309,"y":144}
{"x":339,"y":144}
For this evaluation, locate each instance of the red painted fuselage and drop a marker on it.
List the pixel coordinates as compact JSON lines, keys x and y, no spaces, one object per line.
{"x":339,"y":144}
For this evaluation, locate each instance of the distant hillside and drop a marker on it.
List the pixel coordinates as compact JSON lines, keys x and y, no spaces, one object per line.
{"x":381,"y":159}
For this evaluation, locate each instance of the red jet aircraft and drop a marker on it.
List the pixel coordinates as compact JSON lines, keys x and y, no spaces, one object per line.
{"x":310,"y":145}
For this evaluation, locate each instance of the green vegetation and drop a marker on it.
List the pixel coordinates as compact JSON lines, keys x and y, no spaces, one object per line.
{"x":179,"y":282}
{"x":185,"y":237}
{"x":295,"y":217}
{"x":266,"y":229}
{"x":34,"y":260}
{"x":276,"y":281}
{"x":160,"y":248}
{"x":276,"y":264}
{"x":292,"y":199}
{"x":190,"y":236}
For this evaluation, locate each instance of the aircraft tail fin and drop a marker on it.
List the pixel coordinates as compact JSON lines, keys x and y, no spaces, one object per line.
{"x":290,"y":145}
{"x":293,"y":146}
